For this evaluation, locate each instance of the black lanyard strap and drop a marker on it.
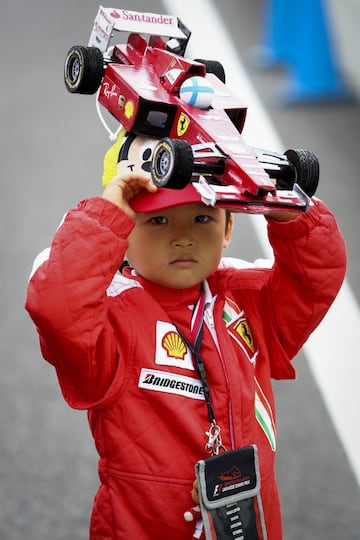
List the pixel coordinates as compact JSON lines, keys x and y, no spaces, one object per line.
{"x":214,"y":443}
{"x":199,"y":364}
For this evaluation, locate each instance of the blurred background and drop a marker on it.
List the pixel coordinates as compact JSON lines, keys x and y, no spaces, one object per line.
{"x":296,"y":65}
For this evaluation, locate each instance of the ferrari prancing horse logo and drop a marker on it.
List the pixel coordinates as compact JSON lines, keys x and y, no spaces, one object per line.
{"x":240,"y":331}
{"x":243,"y":329}
{"x":182,"y":125}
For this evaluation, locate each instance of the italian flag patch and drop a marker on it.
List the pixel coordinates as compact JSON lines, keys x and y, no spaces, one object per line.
{"x":264,"y":415}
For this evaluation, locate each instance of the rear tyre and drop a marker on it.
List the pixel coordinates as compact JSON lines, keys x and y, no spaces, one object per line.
{"x":213,"y":66}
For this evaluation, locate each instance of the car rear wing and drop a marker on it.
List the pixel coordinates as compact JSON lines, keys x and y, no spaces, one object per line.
{"x":123,"y":20}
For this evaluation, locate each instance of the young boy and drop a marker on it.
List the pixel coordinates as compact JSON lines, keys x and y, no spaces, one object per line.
{"x":122,"y":343}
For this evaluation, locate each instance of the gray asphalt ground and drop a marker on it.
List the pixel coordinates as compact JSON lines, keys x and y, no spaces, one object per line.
{"x":51,"y":157}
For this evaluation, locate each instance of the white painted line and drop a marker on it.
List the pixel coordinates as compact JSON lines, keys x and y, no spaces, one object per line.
{"x":332,"y":349}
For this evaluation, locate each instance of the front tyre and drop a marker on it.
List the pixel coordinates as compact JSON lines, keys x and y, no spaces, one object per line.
{"x":306,"y":165}
{"x":172,"y":163}
{"x":83,"y":70}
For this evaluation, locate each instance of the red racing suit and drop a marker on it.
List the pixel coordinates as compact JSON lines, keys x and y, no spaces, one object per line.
{"x":113,"y":341}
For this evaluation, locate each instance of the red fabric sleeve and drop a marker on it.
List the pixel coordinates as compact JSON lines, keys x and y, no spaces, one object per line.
{"x":287,"y":301}
{"x":310,"y":265}
{"x":67,"y":299}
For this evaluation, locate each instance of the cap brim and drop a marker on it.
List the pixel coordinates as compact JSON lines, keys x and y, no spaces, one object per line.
{"x":164,"y":198}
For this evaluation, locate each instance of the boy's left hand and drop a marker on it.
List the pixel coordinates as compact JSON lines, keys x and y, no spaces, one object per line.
{"x":122,"y":188}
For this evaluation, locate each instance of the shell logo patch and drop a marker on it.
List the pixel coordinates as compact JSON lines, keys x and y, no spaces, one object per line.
{"x":129,"y":109}
{"x":174,"y":345}
{"x":170,"y":349}
{"x":182,"y":125}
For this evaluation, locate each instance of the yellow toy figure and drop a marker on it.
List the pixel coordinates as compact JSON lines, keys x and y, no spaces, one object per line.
{"x":130,"y":153}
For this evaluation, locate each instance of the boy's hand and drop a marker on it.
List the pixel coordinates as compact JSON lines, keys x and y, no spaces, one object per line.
{"x":121,"y":189}
{"x":279,"y":215}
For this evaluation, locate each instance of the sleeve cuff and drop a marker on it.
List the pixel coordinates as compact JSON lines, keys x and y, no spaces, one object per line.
{"x":108,"y":214}
{"x":300,"y":226}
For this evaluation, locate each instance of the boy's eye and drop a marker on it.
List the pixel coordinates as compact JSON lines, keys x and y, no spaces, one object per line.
{"x":202,"y":219}
{"x":159,"y":220}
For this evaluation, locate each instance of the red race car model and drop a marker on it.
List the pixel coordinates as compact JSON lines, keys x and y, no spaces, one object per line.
{"x":151,"y":89}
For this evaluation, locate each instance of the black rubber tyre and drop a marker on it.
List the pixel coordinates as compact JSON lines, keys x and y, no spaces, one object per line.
{"x":213,"y":66}
{"x":172,"y":163}
{"x":307,"y":169}
{"x":83,"y":70}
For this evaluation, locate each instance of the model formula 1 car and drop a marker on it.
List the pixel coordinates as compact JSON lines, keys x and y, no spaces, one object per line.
{"x":151,"y":89}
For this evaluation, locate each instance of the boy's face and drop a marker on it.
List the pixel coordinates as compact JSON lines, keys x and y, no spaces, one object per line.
{"x":178,"y":247}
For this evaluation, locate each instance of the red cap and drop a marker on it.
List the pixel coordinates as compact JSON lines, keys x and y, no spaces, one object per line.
{"x":164,"y":198}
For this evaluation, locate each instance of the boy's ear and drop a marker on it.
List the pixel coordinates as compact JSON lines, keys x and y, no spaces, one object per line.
{"x":228,"y":231}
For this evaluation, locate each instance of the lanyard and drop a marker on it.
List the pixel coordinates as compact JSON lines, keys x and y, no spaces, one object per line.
{"x":214,"y":443}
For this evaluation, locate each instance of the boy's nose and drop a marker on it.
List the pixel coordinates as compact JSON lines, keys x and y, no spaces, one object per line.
{"x":183,"y":242}
{"x":182,"y":234}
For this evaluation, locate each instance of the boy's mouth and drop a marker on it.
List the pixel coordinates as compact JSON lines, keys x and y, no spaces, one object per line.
{"x":183,"y":260}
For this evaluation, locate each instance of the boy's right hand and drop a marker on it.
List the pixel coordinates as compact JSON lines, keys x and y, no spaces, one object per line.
{"x":121,"y":189}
